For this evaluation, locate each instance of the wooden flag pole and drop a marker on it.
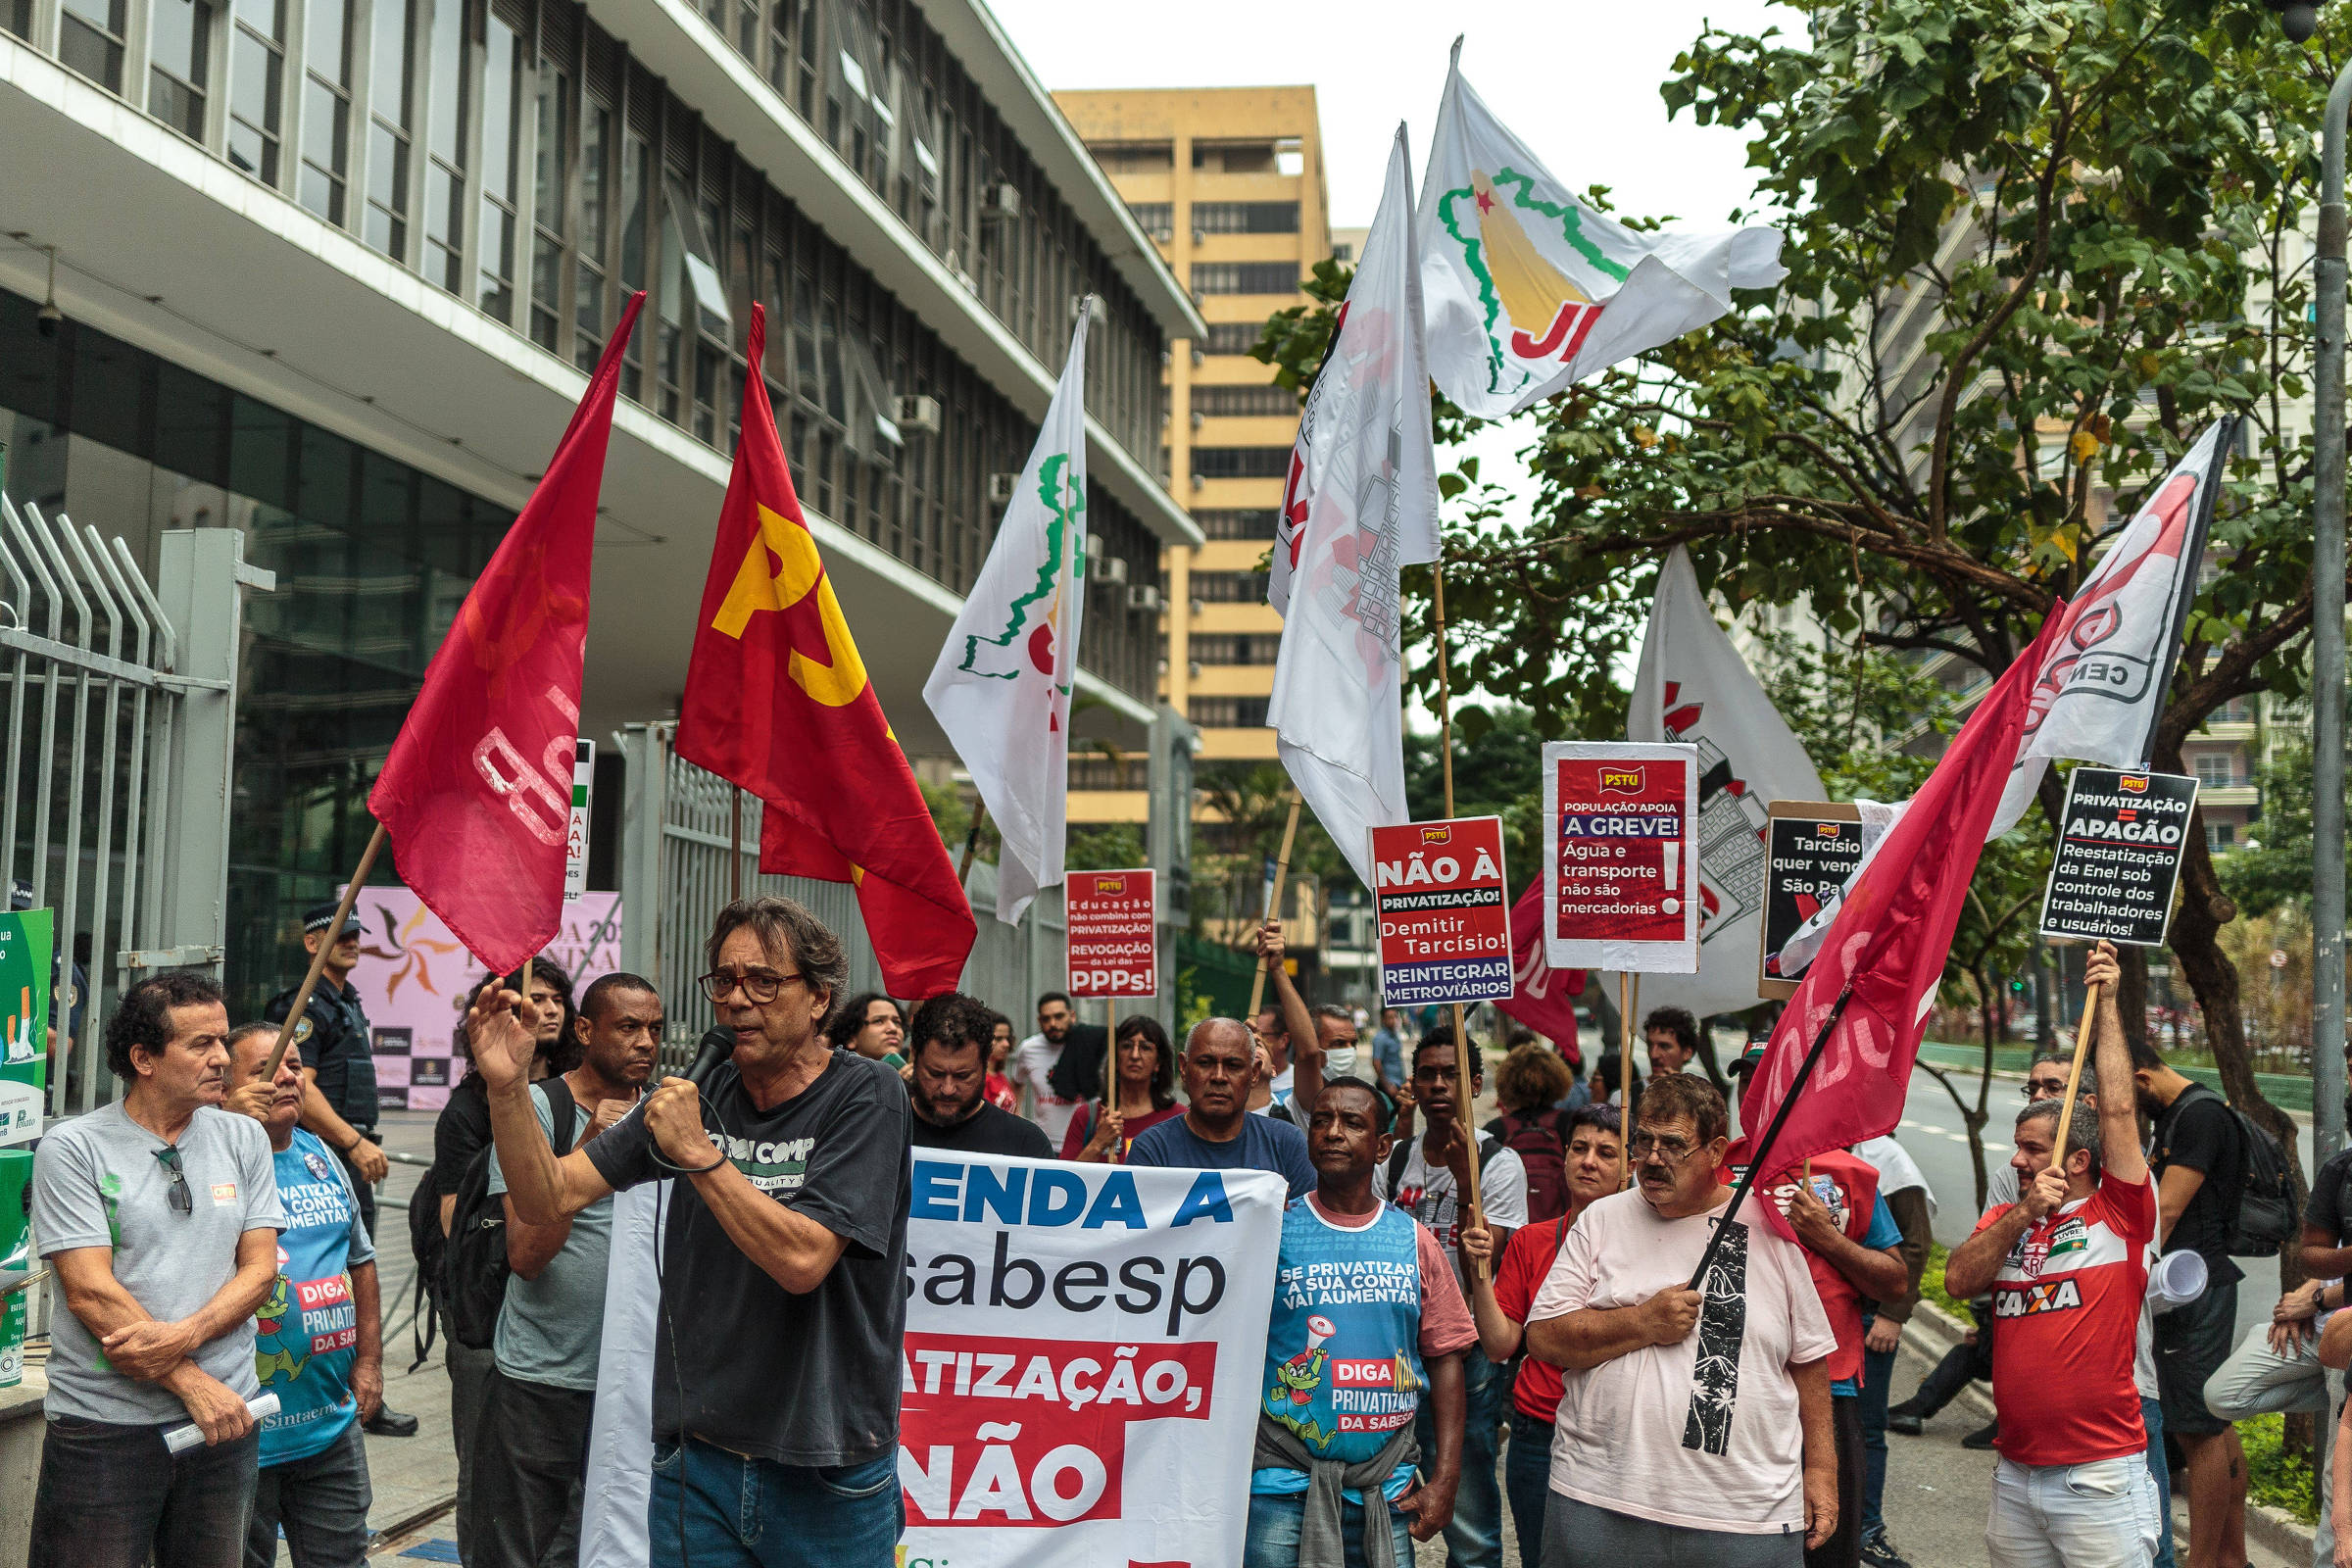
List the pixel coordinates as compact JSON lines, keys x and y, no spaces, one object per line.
{"x":334,"y":931}
{"x":1273,"y":910}
{"x":734,"y":843}
{"x":1464,"y":1116}
{"x":971,"y":841}
{"x":1624,"y":1077}
{"x":2074,"y":1076}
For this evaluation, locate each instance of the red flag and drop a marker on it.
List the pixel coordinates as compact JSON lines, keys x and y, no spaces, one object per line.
{"x":778,"y":701}
{"x":1540,"y":994}
{"x":476,"y":794}
{"x":1889,"y":942}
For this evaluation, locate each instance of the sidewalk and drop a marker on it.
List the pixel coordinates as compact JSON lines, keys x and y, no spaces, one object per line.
{"x":416,"y":1478}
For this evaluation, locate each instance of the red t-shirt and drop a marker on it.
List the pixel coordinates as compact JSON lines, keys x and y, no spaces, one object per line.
{"x":2068,"y":1299}
{"x":1081,"y":1130}
{"x":1849,"y":1188}
{"x":1527,"y":1258}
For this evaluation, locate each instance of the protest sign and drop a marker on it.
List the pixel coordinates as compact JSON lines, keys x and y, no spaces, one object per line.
{"x":575,"y":837}
{"x":1081,"y":1374}
{"x":413,"y":973}
{"x":2117,"y":857}
{"x":1443,"y":917}
{"x":1810,"y":849}
{"x":1620,"y":835}
{"x":1113,"y":933}
{"x":27,"y":971}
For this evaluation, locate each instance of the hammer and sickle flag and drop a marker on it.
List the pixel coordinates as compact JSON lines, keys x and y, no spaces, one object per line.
{"x":778,"y":702}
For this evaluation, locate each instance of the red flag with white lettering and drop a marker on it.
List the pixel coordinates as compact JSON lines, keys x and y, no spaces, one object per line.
{"x":476,"y":794}
{"x":1541,"y":995}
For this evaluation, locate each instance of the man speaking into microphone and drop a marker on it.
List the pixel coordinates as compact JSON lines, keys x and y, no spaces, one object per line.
{"x":775,"y":1399}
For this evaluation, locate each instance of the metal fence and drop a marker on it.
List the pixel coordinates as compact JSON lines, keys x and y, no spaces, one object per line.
{"x":120,"y":706}
{"x":677,"y":824}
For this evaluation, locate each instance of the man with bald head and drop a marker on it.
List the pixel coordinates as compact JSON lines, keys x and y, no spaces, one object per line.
{"x":1217,"y":1131}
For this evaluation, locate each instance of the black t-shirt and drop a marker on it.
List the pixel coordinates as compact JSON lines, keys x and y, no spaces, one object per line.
{"x":461,"y":1132}
{"x":2330,"y":1206}
{"x":991,"y":1131}
{"x":2198,"y":1132}
{"x":801,"y":1379}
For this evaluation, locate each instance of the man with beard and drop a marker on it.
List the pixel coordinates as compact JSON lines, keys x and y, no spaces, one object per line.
{"x":1694,"y":1426}
{"x":530,"y":1450}
{"x":948,"y":1086}
{"x":1217,"y":1131}
{"x":1060,"y":1066}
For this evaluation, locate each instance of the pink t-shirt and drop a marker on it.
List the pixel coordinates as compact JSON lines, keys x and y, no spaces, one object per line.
{"x":1445,"y":1322}
{"x":1703,"y":1434}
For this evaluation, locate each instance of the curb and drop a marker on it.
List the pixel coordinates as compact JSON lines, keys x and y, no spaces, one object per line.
{"x":1932,"y":1331}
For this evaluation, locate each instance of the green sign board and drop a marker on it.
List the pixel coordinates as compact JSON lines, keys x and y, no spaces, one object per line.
{"x":25,"y":945}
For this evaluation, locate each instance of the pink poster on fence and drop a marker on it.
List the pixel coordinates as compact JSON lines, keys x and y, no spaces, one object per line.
{"x":412,"y":973}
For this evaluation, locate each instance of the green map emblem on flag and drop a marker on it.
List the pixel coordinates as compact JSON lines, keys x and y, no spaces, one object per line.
{"x":26,"y":948}
{"x":1004,"y":656}
{"x":1519,"y":287}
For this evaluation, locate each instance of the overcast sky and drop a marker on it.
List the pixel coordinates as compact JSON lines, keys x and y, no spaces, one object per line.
{"x":1578,"y":83}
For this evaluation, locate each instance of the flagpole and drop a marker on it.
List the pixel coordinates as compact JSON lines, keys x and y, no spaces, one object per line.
{"x":1282,"y":870}
{"x":734,"y":842}
{"x":1467,"y":1201}
{"x":334,"y":933}
{"x":1625,"y":1082}
{"x":2073,"y":1074}
{"x":1772,"y":1133}
{"x":971,"y":840}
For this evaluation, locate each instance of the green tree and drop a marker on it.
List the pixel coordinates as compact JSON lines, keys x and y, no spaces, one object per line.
{"x":1497,"y":771}
{"x":2275,"y":869}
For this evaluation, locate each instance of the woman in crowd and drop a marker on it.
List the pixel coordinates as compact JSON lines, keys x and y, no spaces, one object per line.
{"x":1145,"y":1095}
{"x":999,"y":1089}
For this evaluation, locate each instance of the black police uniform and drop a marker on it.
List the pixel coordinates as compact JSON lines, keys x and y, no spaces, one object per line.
{"x":335,"y":1040}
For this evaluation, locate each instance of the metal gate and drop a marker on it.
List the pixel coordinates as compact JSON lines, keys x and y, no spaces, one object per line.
{"x":120,"y":706}
{"x":676,"y":827}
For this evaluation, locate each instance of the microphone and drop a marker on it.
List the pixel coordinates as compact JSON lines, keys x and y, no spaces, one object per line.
{"x":717,"y":1044}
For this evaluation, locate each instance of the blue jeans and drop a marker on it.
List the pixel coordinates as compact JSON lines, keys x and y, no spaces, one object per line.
{"x":113,"y":1496}
{"x":1527,"y":1479}
{"x":1475,"y":1538}
{"x":2151,"y":1415}
{"x":1877,"y":1371}
{"x":1274,"y":1529}
{"x":320,"y":1504}
{"x":716,"y":1509}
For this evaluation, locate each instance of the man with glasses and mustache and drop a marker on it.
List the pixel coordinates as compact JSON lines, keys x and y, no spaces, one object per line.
{"x":159,"y":1216}
{"x":775,"y":1385}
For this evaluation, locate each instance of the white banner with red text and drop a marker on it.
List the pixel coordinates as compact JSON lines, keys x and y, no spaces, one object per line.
{"x":1079,"y":1378}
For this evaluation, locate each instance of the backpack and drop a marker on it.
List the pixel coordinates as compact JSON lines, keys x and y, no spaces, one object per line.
{"x":473,"y":1265}
{"x":1402,"y":1154}
{"x":430,"y":1248}
{"x":1541,"y":1146}
{"x":2266,"y":1218}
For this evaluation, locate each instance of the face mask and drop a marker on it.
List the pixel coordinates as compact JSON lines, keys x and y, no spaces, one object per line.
{"x":1339,"y":1061}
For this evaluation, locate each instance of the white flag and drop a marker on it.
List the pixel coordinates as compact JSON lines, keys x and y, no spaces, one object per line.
{"x":1001,"y":685}
{"x":1693,"y":686}
{"x":2103,"y":684}
{"x":1530,"y":289}
{"x":1362,"y":502}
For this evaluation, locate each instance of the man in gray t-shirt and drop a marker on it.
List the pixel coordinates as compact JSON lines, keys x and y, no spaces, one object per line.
{"x":530,"y":1451}
{"x":159,"y":1218}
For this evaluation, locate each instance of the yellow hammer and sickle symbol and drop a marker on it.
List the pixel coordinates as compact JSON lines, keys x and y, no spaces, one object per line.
{"x":837,"y":684}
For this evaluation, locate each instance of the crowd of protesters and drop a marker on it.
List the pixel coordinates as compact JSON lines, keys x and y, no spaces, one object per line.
{"x":211,"y":1235}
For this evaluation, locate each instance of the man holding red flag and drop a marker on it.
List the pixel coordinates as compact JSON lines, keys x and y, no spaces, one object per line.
{"x":777,"y":700}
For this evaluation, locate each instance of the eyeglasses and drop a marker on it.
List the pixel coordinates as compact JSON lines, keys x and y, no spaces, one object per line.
{"x":1670,"y":1150}
{"x":181,"y":1197}
{"x":2043,"y":1088}
{"x":760,"y":988}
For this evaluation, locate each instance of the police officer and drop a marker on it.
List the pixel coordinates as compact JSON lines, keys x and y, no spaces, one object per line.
{"x":338,"y":1071}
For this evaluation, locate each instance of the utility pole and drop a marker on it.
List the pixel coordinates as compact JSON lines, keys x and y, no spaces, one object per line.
{"x":2328,"y":644}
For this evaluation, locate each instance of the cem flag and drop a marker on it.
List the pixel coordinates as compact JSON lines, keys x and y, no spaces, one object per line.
{"x":1362,"y":501}
{"x":2102,"y":683}
{"x":1693,"y":686}
{"x":1001,"y":685}
{"x":1530,"y":289}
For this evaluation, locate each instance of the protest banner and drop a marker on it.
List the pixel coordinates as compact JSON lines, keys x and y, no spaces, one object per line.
{"x":1810,"y":849}
{"x":1620,"y":827}
{"x":575,"y":837}
{"x":412,"y":975}
{"x":28,"y":970}
{"x":1440,"y":908}
{"x":2117,"y":859}
{"x":1114,"y":934}
{"x":1081,"y":1375}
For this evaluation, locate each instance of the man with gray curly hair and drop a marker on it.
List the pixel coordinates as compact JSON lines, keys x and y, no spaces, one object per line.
{"x":776,"y":1373}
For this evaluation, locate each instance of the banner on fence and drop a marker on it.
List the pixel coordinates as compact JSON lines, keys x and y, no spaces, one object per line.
{"x":1079,"y":1384}
{"x":1439,"y":906}
{"x":27,"y":971}
{"x":412,"y":972}
{"x":1113,"y":933}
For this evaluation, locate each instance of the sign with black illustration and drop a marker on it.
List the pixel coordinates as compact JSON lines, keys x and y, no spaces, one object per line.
{"x":2117,"y":857}
{"x":1810,"y":849}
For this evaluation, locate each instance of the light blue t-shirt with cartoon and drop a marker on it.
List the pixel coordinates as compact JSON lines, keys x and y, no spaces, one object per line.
{"x":307,"y":1334}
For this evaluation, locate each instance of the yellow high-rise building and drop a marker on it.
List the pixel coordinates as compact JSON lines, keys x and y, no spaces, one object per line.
{"x":1229,"y":182}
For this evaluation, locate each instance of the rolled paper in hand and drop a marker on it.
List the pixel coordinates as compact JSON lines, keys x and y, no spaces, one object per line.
{"x":179,"y":1439}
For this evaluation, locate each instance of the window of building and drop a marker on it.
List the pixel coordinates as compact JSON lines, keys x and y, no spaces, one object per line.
{"x":1233,"y":337}
{"x":2220,"y":835}
{"x":1242,"y":462}
{"x":392,"y":71}
{"x":2237,"y":711}
{"x":1134,"y":157}
{"x":596,"y":229}
{"x":89,"y":39}
{"x":17,"y":19}
{"x":326,"y":108}
{"x":1245,"y":218}
{"x":1245,"y":277}
{"x":1155,"y":219}
{"x":1224,"y":402}
{"x":1228,"y":587}
{"x":1219,"y":648}
{"x":257,"y":48}
{"x":449,"y":87}
{"x":502,"y":137}
{"x":179,"y":43}
{"x":1229,"y":522}
{"x":1229,"y":712}
{"x":1233,"y":156}
{"x":551,"y":162}
{"x":2216,"y":771}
